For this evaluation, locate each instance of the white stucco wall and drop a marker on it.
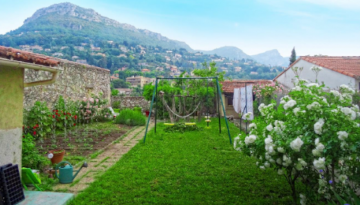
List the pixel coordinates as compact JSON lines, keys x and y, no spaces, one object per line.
{"x":332,"y":79}
{"x":10,"y":146}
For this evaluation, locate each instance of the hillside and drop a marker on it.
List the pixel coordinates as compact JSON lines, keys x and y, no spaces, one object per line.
{"x":271,"y":57}
{"x":70,"y":32}
{"x":230,"y":52}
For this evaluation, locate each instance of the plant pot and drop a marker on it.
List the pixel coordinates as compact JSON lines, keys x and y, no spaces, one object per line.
{"x":58,"y":156}
{"x":147,"y":112}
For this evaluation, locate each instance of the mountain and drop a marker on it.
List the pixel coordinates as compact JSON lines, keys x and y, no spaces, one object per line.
{"x":230,"y":52}
{"x":67,"y":18}
{"x":271,"y":57}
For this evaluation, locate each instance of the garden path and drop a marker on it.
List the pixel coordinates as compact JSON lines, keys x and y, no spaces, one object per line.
{"x":98,"y":166}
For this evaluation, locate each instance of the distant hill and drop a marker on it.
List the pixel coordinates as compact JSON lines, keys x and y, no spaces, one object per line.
{"x":230,"y":52}
{"x":271,"y":57}
{"x":67,"y":19}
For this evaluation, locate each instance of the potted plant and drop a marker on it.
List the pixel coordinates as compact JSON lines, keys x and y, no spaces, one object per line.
{"x":56,"y":156}
{"x":147,"y":112}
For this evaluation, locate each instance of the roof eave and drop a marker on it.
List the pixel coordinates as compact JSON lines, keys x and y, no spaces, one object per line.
{"x":33,"y":66}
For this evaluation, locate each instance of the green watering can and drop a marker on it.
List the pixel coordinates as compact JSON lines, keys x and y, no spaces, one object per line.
{"x":66,"y":172}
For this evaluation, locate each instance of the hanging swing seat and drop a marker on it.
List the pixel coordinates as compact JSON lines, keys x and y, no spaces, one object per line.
{"x":169,"y":124}
{"x":190,"y":123}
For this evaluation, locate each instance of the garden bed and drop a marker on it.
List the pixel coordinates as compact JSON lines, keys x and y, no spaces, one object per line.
{"x":84,"y":140}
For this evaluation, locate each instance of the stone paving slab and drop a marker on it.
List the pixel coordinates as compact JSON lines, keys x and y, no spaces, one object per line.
{"x":41,"y":197}
{"x":105,"y":160}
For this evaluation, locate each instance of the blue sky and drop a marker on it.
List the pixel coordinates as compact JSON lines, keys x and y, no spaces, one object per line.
{"x":328,"y":27}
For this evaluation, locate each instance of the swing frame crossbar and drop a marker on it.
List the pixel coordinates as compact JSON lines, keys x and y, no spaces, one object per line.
{"x":155,"y":98}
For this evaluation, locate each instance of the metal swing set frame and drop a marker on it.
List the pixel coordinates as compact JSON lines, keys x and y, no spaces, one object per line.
{"x":155,"y":99}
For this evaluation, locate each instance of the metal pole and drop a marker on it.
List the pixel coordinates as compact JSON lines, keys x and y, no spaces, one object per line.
{"x":207,"y":93}
{"x":218,"y":106}
{"x":151,"y":105}
{"x":156,"y":107}
{"x":227,"y":125}
{"x":246,"y":107}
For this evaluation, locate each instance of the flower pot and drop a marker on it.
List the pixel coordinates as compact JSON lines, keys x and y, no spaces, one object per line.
{"x":147,"y":112}
{"x":58,"y":156}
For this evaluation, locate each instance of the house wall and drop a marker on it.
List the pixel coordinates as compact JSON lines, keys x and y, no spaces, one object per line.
{"x":332,"y":79}
{"x":74,"y":82}
{"x":11,"y":114}
{"x":229,"y":109}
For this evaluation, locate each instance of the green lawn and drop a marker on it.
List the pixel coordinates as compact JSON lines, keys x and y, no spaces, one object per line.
{"x":198,"y":167}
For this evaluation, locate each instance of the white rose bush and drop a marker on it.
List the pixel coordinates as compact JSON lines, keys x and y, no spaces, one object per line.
{"x":312,"y":137}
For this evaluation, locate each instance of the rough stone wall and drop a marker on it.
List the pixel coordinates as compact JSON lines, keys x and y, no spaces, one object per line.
{"x":131,"y":102}
{"x":74,"y":82}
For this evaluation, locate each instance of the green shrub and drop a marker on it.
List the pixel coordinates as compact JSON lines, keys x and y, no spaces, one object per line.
{"x":130,"y":117}
{"x":181,"y":127}
{"x":137,"y":109}
{"x":116,"y":104}
{"x":31,"y":158}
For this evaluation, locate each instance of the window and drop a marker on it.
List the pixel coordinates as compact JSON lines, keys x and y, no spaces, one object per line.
{"x":230,"y":100}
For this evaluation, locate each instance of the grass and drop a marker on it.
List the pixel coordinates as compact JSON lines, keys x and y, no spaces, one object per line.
{"x":197,"y":167}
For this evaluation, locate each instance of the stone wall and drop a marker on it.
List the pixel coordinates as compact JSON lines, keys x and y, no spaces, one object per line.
{"x":74,"y":82}
{"x":131,"y":102}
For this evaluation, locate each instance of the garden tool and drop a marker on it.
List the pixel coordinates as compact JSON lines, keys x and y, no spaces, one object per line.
{"x":66,"y":172}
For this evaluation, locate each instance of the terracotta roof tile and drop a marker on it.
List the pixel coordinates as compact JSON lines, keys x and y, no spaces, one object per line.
{"x":19,"y":55}
{"x":347,"y":65}
{"x":228,"y":86}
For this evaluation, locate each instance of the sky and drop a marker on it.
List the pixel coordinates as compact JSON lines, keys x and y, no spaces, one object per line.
{"x":313,"y":27}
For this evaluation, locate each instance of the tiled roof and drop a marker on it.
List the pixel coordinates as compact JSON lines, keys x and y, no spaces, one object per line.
{"x":228,"y":86}
{"x":347,"y":65}
{"x":19,"y":55}
{"x":24,"y":56}
{"x":145,"y":70}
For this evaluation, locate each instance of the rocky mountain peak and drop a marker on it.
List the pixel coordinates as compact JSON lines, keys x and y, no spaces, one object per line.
{"x":69,"y":9}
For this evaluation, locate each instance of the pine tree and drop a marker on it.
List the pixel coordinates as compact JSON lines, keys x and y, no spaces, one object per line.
{"x":293,"y":56}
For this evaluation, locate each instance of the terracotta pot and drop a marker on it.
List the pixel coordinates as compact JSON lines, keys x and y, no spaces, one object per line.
{"x":58,"y":156}
{"x":147,"y":112}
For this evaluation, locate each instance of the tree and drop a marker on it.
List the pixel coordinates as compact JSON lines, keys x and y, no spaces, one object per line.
{"x":119,"y":83}
{"x":293,"y":56}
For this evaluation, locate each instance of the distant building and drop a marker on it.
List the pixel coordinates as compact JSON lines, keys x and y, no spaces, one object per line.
{"x":237,"y":69}
{"x":79,"y":48}
{"x":64,"y":47}
{"x":47,"y":49}
{"x":253,"y":73}
{"x":159,"y":68}
{"x":57,"y":54}
{"x":145,"y":70}
{"x":82,"y":61}
{"x":122,"y":55}
{"x":178,"y":55}
{"x":168,"y":51}
{"x":75,"y":57}
{"x":139,"y":81}
{"x":198,"y":54}
{"x":167,"y":58}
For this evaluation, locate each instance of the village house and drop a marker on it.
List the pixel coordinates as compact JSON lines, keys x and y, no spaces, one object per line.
{"x":159,"y":68}
{"x":75,"y":57}
{"x":237,"y":69}
{"x":139,"y":81}
{"x":58,"y":54}
{"x":178,"y":55}
{"x":167,"y":58}
{"x":64,"y":47}
{"x":145,"y":70}
{"x":336,"y":70}
{"x":168,"y":51}
{"x":254,"y":73}
{"x":122,"y":56}
{"x":82,"y":61}
{"x":47,"y":49}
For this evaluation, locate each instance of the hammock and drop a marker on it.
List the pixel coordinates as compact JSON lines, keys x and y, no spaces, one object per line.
{"x":185,"y":116}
